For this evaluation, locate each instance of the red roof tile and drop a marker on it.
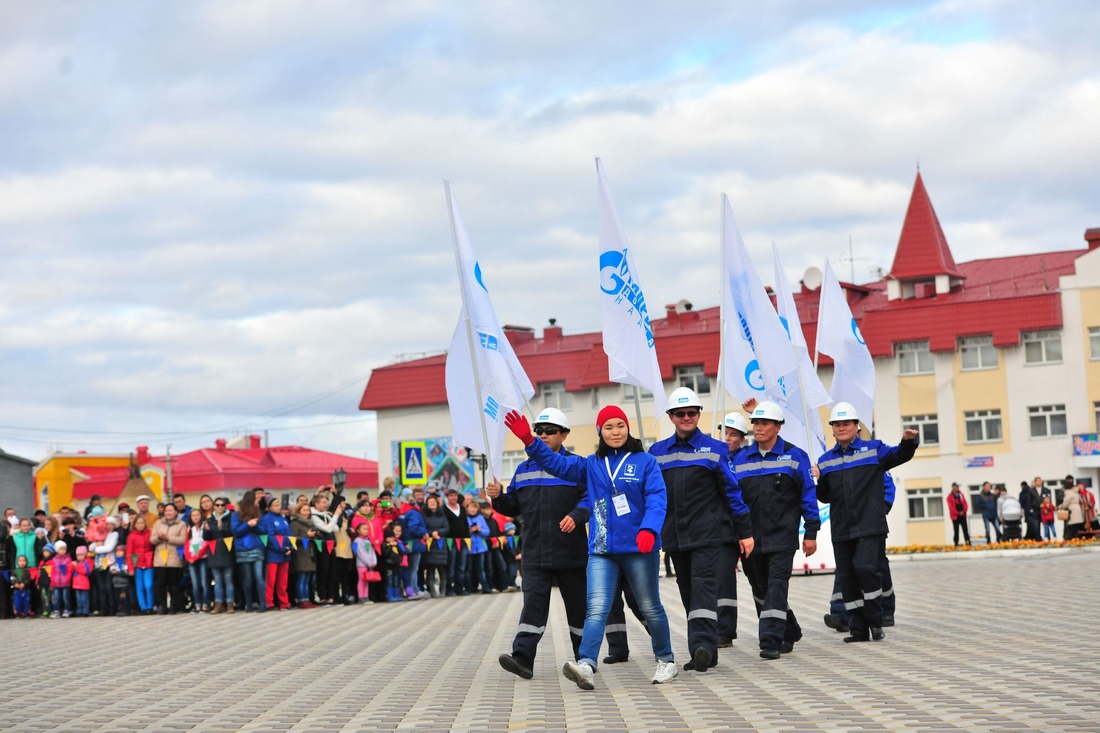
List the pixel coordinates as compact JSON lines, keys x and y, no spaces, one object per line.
{"x":922,"y":251}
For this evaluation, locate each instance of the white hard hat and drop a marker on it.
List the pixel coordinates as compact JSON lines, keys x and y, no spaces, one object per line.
{"x":843,"y":411}
{"x":683,"y":397}
{"x":767,"y":410}
{"x":737,"y":421}
{"x":553,"y":416}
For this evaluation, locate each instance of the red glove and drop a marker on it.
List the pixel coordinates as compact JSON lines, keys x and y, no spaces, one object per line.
{"x":519,"y":426}
{"x":646,"y":539}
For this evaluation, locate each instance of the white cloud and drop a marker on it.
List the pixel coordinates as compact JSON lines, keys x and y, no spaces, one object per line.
{"x":212,"y":211}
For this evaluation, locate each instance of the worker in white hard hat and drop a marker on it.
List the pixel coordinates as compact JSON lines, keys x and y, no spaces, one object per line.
{"x":775,"y":478}
{"x":852,"y":482}
{"x":700,"y":531}
{"x":736,"y":428}
{"x":555,"y":545}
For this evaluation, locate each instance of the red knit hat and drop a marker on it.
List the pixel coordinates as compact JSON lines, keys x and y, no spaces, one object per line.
{"x":609,"y":412}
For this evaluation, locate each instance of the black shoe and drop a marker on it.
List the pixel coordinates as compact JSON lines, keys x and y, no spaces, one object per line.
{"x":857,"y":637}
{"x":877,"y":634}
{"x":701,"y":661}
{"x":834,"y":623}
{"x":615,"y":659}
{"x":769,"y":654}
{"x":887,"y":620}
{"x":786,"y":647}
{"x":515,"y":666}
{"x":726,"y":641}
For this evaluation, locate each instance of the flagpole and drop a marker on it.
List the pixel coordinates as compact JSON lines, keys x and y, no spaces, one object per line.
{"x":720,"y":405}
{"x":469,"y":329}
{"x":638,"y":412}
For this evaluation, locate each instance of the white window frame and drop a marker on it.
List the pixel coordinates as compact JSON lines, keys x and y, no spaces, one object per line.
{"x":985,"y":418}
{"x":1094,"y":343}
{"x":979,"y":350}
{"x":692,"y":377}
{"x":1038,"y":345}
{"x":1048,"y":417}
{"x":628,"y":393}
{"x":922,"y":423}
{"x":929,"y":500}
{"x":553,"y":394}
{"x":916,"y":352}
{"x":1096,"y":416}
{"x":510,"y":461}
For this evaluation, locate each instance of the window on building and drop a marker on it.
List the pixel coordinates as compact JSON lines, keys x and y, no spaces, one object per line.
{"x":693,"y":378}
{"x":913,"y":358}
{"x":628,"y":393}
{"x":1096,"y":415}
{"x":510,"y":462}
{"x":925,"y":503}
{"x":927,"y":425}
{"x":1042,"y":347}
{"x":983,"y":426}
{"x":1047,"y":420}
{"x":1094,"y":342}
{"x":553,"y":394}
{"x":977,"y":352}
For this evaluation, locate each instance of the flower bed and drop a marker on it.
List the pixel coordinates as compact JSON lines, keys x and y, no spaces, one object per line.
{"x":1017,"y":545}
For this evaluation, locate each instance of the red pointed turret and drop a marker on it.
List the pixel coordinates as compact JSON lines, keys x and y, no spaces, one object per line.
{"x":922,"y":251}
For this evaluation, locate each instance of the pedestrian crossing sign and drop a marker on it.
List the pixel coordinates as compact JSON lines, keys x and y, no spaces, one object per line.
{"x":413,"y":469}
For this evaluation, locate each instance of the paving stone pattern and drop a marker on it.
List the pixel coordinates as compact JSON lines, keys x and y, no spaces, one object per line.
{"x":983,"y":643}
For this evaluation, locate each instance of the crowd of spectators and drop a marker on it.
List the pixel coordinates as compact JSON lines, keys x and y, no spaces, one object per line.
{"x":257,"y":555}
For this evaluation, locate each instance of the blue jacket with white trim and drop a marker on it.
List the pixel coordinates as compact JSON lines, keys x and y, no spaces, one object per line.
{"x":543,"y":500}
{"x":637,"y":478}
{"x":701,"y":491}
{"x":853,"y":482}
{"x":779,"y":490}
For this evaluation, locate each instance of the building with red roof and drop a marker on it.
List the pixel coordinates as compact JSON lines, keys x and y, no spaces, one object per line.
{"x":996,"y":361}
{"x":227,"y":469}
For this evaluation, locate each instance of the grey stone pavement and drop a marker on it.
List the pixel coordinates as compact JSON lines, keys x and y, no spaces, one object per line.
{"x":983,"y":643}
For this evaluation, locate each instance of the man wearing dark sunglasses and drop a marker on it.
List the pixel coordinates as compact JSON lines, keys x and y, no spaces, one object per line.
{"x":555,"y":546}
{"x":700,"y":532}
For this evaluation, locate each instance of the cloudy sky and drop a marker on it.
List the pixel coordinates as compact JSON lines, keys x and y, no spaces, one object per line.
{"x":217,"y":217}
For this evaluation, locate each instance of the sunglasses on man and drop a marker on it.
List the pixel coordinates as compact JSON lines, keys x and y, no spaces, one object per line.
{"x":681,"y":414}
{"x":541,"y":430}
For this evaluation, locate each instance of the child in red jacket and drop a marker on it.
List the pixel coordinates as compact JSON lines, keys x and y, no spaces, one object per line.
{"x":61,"y":580}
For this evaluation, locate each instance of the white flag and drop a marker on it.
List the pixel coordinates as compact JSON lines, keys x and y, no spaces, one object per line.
{"x":627,"y":333}
{"x":484,"y":377}
{"x":838,"y":336}
{"x":756,"y":353}
{"x":805,"y":392}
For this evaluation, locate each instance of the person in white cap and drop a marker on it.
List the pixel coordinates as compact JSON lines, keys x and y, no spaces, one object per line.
{"x":852,"y":482}
{"x":555,"y":545}
{"x":779,"y":489}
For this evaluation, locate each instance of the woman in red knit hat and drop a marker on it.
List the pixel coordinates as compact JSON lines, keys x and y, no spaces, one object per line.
{"x":626,"y":498}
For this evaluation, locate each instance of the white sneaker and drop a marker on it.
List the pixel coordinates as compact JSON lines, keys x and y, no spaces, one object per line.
{"x":580,"y":673}
{"x":665,"y":672}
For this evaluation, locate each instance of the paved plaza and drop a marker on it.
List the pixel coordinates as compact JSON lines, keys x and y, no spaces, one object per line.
{"x":983,"y":643}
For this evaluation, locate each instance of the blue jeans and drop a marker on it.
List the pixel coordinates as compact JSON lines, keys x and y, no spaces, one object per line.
{"x":223,"y":584}
{"x":640,"y":571}
{"x":62,"y":600}
{"x":143,"y":583}
{"x":456,"y":568}
{"x":477,"y":565}
{"x":302,"y":586}
{"x":83,"y":602}
{"x":413,"y":570}
{"x":200,"y":583}
{"x":252,"y":578}
{"x":1048,"y":531}
{"x":996,"y":529}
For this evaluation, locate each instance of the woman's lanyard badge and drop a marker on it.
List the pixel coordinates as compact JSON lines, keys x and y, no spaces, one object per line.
{"x":619,"y":500}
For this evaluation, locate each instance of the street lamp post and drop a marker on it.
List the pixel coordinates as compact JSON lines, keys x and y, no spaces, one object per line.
{"x":339,"y":478}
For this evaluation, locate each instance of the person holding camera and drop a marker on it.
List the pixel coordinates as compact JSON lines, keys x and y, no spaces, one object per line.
{"x":326,"y":524}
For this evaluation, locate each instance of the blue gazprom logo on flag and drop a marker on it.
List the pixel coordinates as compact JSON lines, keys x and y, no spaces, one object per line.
{"x":858,"y":334}
{"x":489,"y":341}
{"x":492,"y":407}
{"x":753,"y":376}
{"x":616,"y":281}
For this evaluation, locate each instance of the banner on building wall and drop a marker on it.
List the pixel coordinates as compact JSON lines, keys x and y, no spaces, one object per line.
{"x":1086,"y":444}
{"x":979,"y":462}
{"x":444,"y":466}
